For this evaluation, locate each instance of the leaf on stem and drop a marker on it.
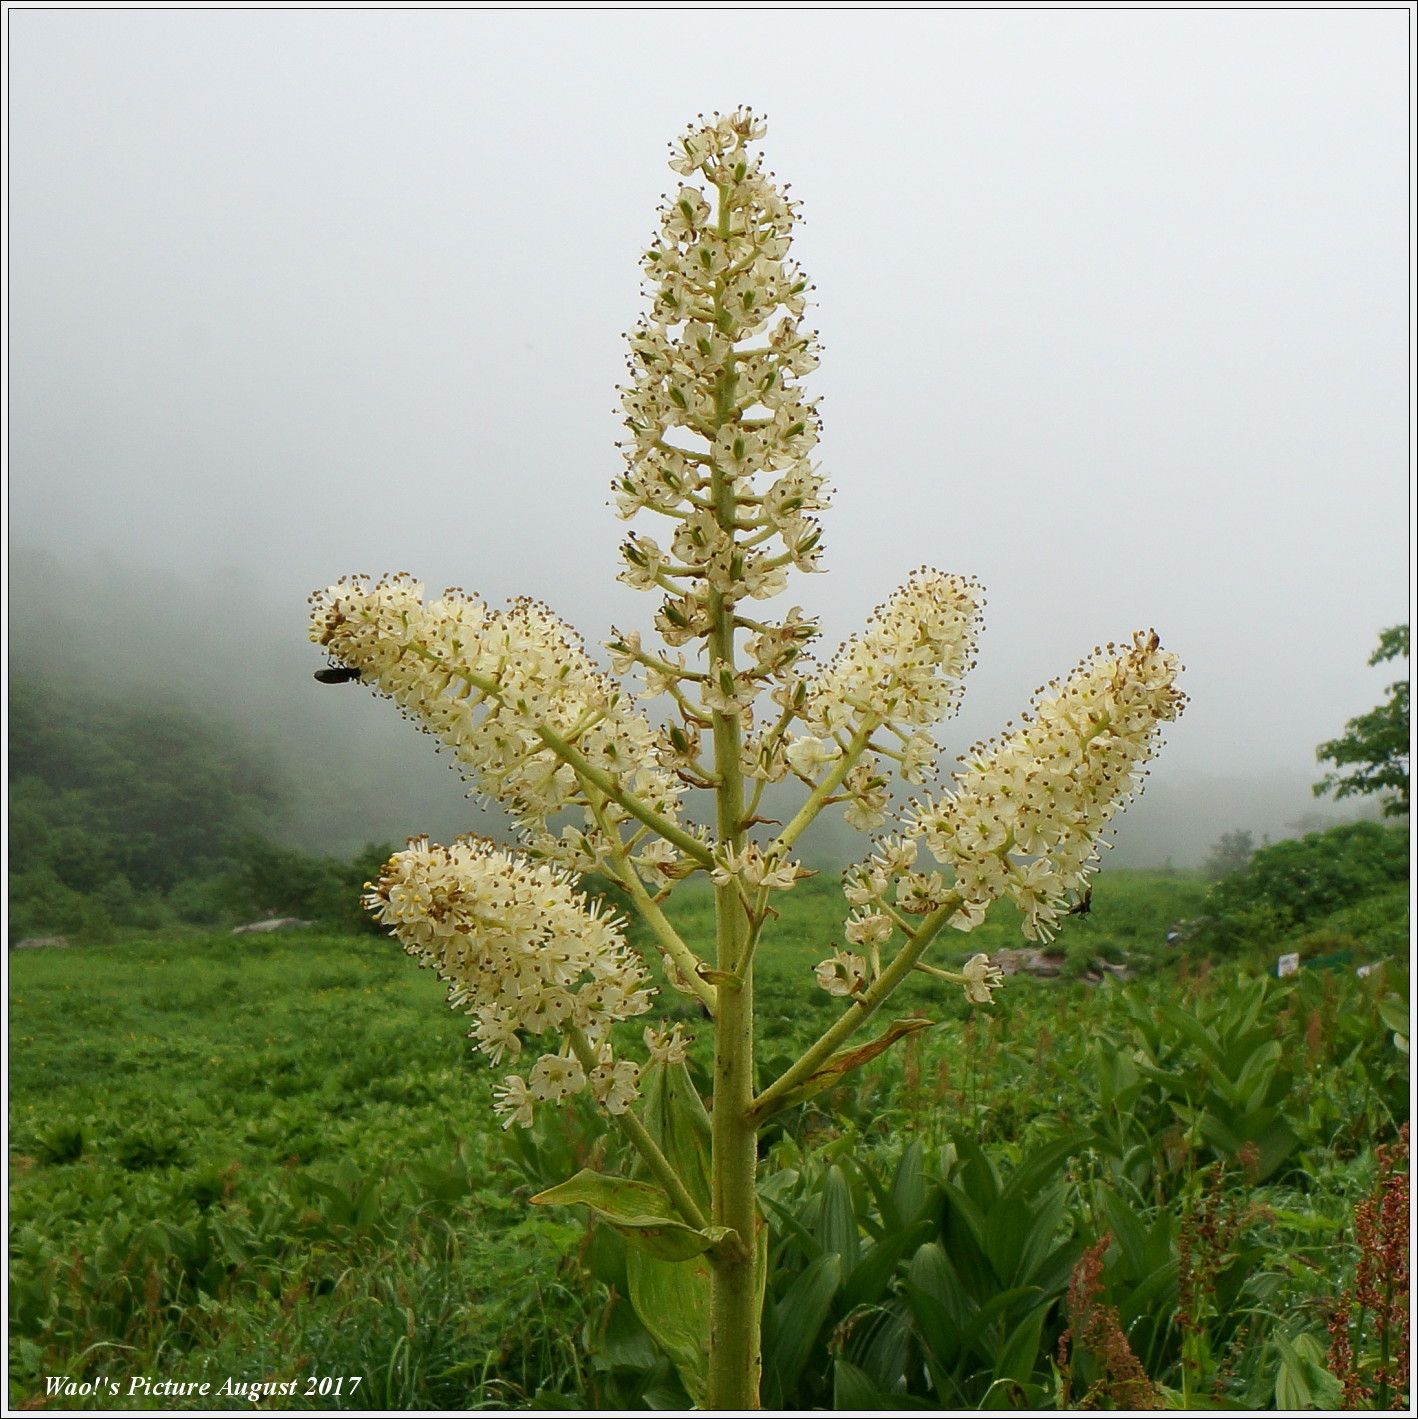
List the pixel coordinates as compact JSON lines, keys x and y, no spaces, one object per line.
{"x":843,"y":1062}
{"x":639,"y":1211}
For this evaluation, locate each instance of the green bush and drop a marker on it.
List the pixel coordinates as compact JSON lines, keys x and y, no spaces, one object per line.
{"x":1301,"y":880}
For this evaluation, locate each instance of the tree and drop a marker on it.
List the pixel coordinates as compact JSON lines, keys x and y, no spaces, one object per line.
{"x":1229,"y":854}
{"x":1376,"y":744}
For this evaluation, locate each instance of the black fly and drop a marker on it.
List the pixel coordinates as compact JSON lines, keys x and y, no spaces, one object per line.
{"x":336,"y":675}
{"x":1083,"y":906}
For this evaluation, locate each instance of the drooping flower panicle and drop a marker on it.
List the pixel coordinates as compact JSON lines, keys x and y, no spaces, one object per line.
{"x":484,"y":682}
{"x":1025,"y":818}
{"x":524,"y":953}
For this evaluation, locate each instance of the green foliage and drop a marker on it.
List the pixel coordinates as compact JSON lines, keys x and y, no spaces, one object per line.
{"x":250,"y":1156}
{"x":270,"y":880}
{"x":233,"y":1152}
{"x":1375,"y":744}
{"x":1292,"y":883}
{"x":126,"y":815}
{"x":146,"y":794}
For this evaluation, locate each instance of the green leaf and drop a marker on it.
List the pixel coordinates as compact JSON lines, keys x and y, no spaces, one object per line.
{"x":852,"y":1389}
{"x":674,"y":1114}
{"x":639,"y":1211}
{"x":837,"y":1221}
{"x":1394,"y":1013}
{"x":672,"y":1301}
{"x":1301,"y":1381}
{"x":799,"y":1315}
{"x":844,"y":1061}
{"x":868,"y":1280}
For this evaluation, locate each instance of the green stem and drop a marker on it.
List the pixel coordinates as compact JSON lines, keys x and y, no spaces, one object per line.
{"x":813,"y":805}
{"x":690,"y":846}
{"x":670,"y":941}
{"x":734,"y":1347}
{"x":862,"y":1008}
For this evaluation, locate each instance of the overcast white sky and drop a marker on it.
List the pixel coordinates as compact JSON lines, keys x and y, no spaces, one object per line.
{"x":1115,"y":307}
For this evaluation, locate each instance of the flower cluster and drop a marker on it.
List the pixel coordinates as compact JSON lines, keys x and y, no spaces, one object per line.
{"x":720,"y":434}
{"x":485,"y":682}
{"x":1025,"y":818}
{"x":522,"y":951}
{"x":905,"y":668}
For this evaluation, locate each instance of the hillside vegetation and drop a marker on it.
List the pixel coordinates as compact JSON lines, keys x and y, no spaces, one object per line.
{"x":273,"y":1158}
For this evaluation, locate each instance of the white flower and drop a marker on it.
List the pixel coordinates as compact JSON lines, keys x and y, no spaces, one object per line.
{"x":873,"y":929}
{"x":810,"y":755}
{"x":512,"y":1098}
{"x":615,"y":1086}
{"x":755,"y":870}
{"x":842,"y":973}
{"x":657,"y":861}
{"x":668,"y":1046}
{"x":554,"y":1077}
{"x":980,"y":978}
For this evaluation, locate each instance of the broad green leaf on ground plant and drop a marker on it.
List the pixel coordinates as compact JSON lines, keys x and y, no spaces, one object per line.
{"x":868,"y":1281}
{"x":1301,"y":1380}
{"x":853,"y":1390}
{"x":793,"y":1323}
{"x":1228,"y":1131}
{"x":836,"y":1222}
{"x":844,"y":1061}
{"x":639,"y":1211}
{"x":672,"y":1301}
{"x":905,"y":1199}
{"x":1394,"y":1013}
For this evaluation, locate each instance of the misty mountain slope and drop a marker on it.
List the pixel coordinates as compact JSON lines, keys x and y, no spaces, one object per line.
{"x":355,"y":772}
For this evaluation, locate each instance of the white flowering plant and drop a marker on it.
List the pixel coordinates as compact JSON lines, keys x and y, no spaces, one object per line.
{"x":720,"y":450}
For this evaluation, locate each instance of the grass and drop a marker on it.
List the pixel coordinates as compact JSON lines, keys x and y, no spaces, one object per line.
{"x":272,"y":1158}
{"x":265,"y":1155}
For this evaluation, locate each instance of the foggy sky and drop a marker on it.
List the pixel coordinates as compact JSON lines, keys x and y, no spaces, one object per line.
{"x":1114,"y":304}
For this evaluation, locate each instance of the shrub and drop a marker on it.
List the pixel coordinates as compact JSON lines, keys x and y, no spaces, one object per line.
{"x":1299,"y":880}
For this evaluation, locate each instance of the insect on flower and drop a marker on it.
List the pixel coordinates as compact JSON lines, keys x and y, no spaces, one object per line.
{"x":334,"y":674}
{"x":1083,"y":906}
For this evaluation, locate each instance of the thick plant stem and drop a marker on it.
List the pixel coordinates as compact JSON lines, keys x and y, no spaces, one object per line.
{"x":734,"y":1358}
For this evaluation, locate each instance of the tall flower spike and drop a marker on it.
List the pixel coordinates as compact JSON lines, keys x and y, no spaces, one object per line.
{"x":1026,"y":818}
{"x":713,"y":397}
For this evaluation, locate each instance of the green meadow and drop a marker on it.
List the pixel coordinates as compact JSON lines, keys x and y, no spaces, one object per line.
{"x":270,"y":1159}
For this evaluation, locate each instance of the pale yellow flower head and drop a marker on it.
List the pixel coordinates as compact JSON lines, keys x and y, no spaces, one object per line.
{"x":1025,"y":818}
{"x":522,"y":951}
{"x":482,"y":681}
{"x":713,"y":390}
{"x":906,"y":666}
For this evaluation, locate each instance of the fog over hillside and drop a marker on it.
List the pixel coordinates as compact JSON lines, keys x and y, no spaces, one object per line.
{"x":358,"y":772}
{"x":1113,"y":304}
